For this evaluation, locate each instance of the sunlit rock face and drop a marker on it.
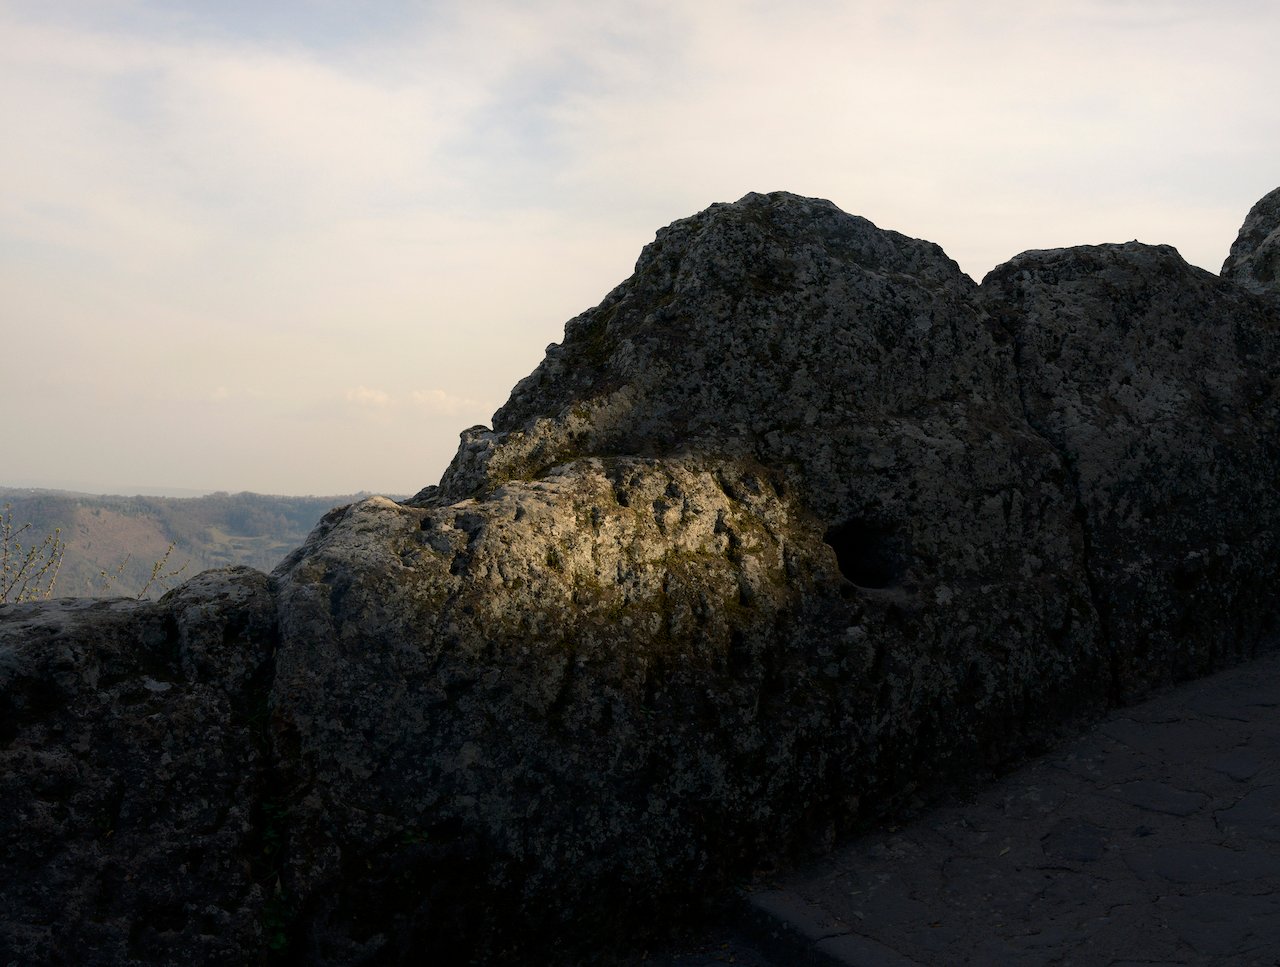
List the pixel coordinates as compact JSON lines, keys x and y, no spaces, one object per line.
{"x":797,"y":522}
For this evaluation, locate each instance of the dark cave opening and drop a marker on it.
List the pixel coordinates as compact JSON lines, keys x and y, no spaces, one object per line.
{"x":868,"y":554}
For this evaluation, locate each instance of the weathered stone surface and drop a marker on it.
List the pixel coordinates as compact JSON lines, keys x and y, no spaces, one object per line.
{"x":1157,"y":383}
{"x":555,"y":697}
{"x":132,"y":776}
{"x":797,"y":521}
{"x":652,"y":645}
{"x":1254,"y":261}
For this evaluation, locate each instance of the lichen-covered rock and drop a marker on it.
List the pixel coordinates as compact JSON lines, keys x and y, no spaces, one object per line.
{"x":1158,"y":383}
{"x":797,"y":521}
{"x":551,"y":699}
{"x":1254,"y":261}
{"x":658,"y":668}
{"x":133,"y":777}
{"x":777,"y":327}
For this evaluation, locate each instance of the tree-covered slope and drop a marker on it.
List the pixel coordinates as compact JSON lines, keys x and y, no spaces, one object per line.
{"x":102,"y":533}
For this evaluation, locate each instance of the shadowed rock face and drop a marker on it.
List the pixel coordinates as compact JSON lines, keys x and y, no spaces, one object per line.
{"x":134,"y":771}
{"x":1157,"y":383}
{"x":797,"y":521}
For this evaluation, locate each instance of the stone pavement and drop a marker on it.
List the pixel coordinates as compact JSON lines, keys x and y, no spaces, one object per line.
{"x":1152,"y":839}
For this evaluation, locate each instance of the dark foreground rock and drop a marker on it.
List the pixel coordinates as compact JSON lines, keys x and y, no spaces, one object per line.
{"x":798,"y":521}
{"x":133,"y":776}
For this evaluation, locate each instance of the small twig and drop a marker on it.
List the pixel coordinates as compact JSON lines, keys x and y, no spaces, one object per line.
{"x":110,"y":578}
{"x":33,"y":575}
{"x":160,"y":576}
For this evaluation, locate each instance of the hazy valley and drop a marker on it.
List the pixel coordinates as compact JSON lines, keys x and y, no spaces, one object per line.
{"x":125,"y":537}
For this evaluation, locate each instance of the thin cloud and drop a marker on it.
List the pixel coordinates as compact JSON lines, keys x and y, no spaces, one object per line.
{"x":365,"y":397}
{"x":439,"y":401}
{"x":195,"y":201}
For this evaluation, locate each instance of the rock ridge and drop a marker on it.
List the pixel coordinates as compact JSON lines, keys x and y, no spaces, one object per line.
{"x":796,"y":524}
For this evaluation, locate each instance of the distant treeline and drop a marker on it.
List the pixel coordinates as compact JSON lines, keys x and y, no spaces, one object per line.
{"x":125,"y":537}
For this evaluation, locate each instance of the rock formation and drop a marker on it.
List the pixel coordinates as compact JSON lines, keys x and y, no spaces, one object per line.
{"x":1254,"y":261}
{"x":798,"y":520}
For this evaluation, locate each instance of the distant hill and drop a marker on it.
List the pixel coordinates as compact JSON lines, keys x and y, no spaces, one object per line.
{"x":103,"y":532}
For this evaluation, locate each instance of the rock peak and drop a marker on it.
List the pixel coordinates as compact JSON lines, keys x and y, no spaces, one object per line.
{"x":718,"y":339}
{"x":1254,"y":261}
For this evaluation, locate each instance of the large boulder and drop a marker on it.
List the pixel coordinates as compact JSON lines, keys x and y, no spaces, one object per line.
{"x":798,"y":521}
{"x":613,"y":646}
{"x":1156,"y":381}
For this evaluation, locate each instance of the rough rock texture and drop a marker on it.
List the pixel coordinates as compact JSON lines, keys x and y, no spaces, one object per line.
{"x":132,"y":764}
{"x":712,"y":682}
{"x":1254,"y":261}
{"x":1157,"y":383}
{"x":798,"y":520}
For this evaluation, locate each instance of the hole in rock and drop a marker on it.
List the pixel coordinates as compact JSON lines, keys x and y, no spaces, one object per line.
{"x":870,"y":555}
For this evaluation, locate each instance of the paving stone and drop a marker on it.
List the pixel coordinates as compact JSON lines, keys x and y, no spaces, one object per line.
{"x":1181,"y":737}
{"x":1205,"y":864}
{"x":1256,"y":814}
{"x":1160,"y":797}
{"x":808,"y":921}
{"x":1076,"y":840}
{"x":1153,"y":839}
{"x":1104,"y":762}
{"x":1238,"y":764}
{"x":858,"y":951}
{"x":890,"y":907}
{"x":1225,"y":925}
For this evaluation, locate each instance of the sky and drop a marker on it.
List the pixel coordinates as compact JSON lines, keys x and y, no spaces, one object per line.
{"x":296,"y":246}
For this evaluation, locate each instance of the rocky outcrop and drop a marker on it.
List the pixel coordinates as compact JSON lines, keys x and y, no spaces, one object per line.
{"x":1254,"y":261}
{"x":1157,"y":383}
{"x":135,"y":820}
{"x":797,"y":521}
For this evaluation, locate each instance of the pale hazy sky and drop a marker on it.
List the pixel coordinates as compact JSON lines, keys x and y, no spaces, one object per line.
{"x":294,"y":246}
